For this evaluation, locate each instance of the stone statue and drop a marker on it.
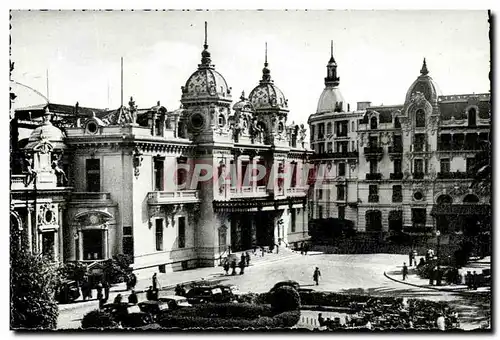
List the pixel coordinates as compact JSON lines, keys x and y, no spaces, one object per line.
{"x":256,"y":131}
{"x":60,"y":174}
{"x":302,"y":135}
{"x":30,"y":173}
{"x":133,"y":111}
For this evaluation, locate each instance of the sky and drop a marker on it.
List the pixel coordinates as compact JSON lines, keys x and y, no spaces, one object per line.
{"x":379,"y":54}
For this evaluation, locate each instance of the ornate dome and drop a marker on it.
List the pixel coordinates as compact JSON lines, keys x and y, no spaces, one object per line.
{"x":243,"y":104}
{"x":46,"y":132}
{"x":331,"y":100}
{"x":268,"y":96}
{"x":425,"y":85}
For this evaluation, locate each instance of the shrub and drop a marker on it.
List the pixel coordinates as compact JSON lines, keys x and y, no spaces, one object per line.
{"x":98,"y":319}
{"x":32,"y":288}
{"x":226,"y":310}
{"x":284,"y":299}
{"x":290,"y":283}
{"x":117,"y":268}
{"x":72,"y":271}
{"x":254,"y":298}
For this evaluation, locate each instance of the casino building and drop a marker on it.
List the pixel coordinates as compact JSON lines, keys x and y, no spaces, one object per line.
{"x":174,"y":189}
{"x":404,"y":168}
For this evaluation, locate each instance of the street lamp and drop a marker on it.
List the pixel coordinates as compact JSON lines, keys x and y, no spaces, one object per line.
{"x":438,"y":278}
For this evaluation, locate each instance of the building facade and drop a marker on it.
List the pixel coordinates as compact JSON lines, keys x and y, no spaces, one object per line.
{"x":405,"y":168}
{"x":174,"y":189}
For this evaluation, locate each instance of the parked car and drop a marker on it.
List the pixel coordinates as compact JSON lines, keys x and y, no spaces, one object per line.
{"x":202,"y":294}
{"x":153,"y":308}
{"x":129,"y":314}
{"x":229,"y":292}
{"x":175,"y":301}
{"x":67,"y":292}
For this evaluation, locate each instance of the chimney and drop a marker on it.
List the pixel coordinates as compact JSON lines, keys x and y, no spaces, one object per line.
{"x":348,"y":107}
{"x":363,"y":105}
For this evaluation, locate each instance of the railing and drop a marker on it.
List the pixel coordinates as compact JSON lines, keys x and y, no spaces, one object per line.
{"x":455,"y":175}
{"x":397,"y":198}
{"x":373,"y":177}
{"x":372,"y":198}
{"x":395,"y":149}
{"x":418,"y":175}
{"x":17,"y":182}
{"x":248,"y":191}
{"x":458,"y":147}
{"x":173,"y":196}
{"x":345,"y":154}
{"x":373,"y":150}
{"x":396,"y":175}
{"x":94,"y":196}
{"x":296,"y":191}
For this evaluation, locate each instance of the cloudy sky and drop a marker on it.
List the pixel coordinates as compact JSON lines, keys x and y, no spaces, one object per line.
{"x":379,"y":53}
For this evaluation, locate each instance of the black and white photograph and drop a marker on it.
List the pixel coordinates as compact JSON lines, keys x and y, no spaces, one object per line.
{"x":251,"y":171}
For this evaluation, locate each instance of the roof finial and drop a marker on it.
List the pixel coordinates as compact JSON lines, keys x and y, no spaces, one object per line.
{"x":242,"y":95}
{"x":206,"y":34}
{"x":424,"y":71}
{"x":265,"y":62}
{"x":331,"y":52}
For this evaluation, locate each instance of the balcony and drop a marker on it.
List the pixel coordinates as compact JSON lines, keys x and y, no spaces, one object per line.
{"x":395,"y":150}
{"x":418,"y":228}
{"x":373,"y":177}
{"x":418,"y":175}
{"x":373,"y":152}
{"x":397,"y":198}
{"x":455,"y":175}
{"x":344,"y":154}
{"x":248,"y":192}
{"x":396,"y":175}
{"x":296,"y":192}
{"x":373,"y":198}
{"x":170,"y":197}
{"x":91,"y":196}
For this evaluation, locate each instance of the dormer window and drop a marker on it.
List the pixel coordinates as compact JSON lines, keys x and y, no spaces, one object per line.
{"x":420,"y":118}
{"x":373,"y":123}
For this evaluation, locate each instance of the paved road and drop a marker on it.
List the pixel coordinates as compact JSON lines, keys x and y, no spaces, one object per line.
{"x":341,"y":273}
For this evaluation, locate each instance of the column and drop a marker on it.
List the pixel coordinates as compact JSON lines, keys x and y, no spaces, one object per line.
{"x":105,"y":244}
{"x":80,"y":245}
{"x":61,"y":233}
{"x":30,"y":231}
{"x":56,"y":245}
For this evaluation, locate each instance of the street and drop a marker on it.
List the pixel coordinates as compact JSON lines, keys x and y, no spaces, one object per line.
{"x":357,"y":274}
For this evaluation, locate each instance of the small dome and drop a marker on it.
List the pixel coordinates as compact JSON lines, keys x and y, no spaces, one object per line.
{"x":267,"y":96}
{"x":331,"y":100}
{"x":47,"y":131}
{"x":206,"y":81}
{"x":243,"y":104}
{"x":425,"y":85}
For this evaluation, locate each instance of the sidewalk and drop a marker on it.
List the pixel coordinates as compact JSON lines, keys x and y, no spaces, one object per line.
{"x":414,"y":280}
{"x":168,"y":281}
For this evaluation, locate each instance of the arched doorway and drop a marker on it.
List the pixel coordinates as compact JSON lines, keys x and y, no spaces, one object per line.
{"x":472,"y":117}
{"x":92,"y":235}
{"x":373,"y":221}
{"x":472,"y":225}
{"x":442,"y":221}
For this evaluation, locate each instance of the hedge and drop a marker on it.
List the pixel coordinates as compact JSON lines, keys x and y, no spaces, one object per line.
{"x":98,"y":319}
{"x":340,"y":300}
{"x":226,"y":310}
{"x":285,"y":298}
{"x":283,"y":320}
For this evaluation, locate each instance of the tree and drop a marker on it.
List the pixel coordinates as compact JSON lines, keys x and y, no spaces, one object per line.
{"x":33,"y":280}
{"x":483,"y":169}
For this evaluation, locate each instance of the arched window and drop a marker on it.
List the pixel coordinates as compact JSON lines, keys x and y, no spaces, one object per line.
{"x":471,"y":198}
{"x":472,"y":117}
{"x":373,"y":123}
{"x":329,"y":128}
{"x":444,"y":199}
{"x":397,"y":123}
{"x":420,"y":118}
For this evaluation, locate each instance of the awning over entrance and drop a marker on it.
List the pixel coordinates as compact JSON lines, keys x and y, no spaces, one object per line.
{"x":248,"y":205}
{"x":461,"y":209}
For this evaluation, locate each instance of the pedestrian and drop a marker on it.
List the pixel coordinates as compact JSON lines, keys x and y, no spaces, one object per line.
{"x":101,"y":303}
{"x":233,"y":267}
{"x":302,"y":248}
{"x":441,"y":322}
{"x":321,"y":319}
{"x":405,"y":271}
{"x":410,"y":257}
{"x":243,"y":259}
{"x":99,"y":291}
{"x":254,"y":249}
{"x":132,"y":298}
{"x":247,"y":258}
{"x":475,"y":279}
{"x":133,"y":280}
{"x":180,"y":290}
{"x":226,"y":266}
{"x":150,"y":294}
{"x":421,"y":263}
{"x":468,"y":280}
{"x":306,"y":248}
{"x":415,"y":253}
{"x":262,"y":250}
{"x":85,"y":288}
{"x":106,"y":286}
{"x":316,"y":275}
{"x":242,"y":267}
{"x":431,"y":275}
{"x":278,"y":245}
{"x":156,"y":283}
{"x":118,"y":299}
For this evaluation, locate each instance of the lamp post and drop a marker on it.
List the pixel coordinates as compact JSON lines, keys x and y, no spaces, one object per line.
{"x":438,"y":271}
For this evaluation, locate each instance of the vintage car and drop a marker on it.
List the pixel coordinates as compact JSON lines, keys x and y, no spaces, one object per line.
{"x":128,"y":314}
{"x":175,"y":301}
{"x":203,"y":294}
{"x":153,"y":308}
{"x":67,"y":292}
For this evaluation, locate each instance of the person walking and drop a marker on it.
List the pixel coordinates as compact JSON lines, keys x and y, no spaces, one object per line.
{"x":132,"y":280}
{"x":410,"y":257}
{"x":179,"y":290}
{"x":156,"y":283}
{"x":106,"y":287}
{"x":118,"y":299}
{"x":100,"y":296}
{"x":475,"y":279}
{"x":86,"y":289}
{"x":468,"y":280}
{"x":226,"y":266}
{"x":262,"y":251}
{"x":233,"y":267}
{"x":247,"y":259}
{"x":242,"y":267}
{"x":306,"y":248}
{"x":316,"y":275}
{"x":243,"y":259}
{"x":405,"y":271}
{"x":132,"y":298}
{"x":150,"y":294}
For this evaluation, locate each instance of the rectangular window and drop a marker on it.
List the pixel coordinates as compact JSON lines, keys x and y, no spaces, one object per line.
{"x":293,"y":181}
{"x":341,"y":169}
{"x":182,"y":231}
{"x":313,"y":130}
{"x":373,"y":166}
{"x":159,"y":234}
{"x":245,"y":178}
{"x":397,"y":166}
{"x":397,"y":193}
{"x":320,"y":194}
{"x":418,"y":216}
{"x":158,"y":128}
{"x":93,"y":169}
{"x":158,"y":174}
{"x":445,"y":165}
{"x":128,"y":241}
{"x":293,"y":220}
{"x":397,"y":142}
{"x":418,"y":166}
{"x":321,"y":147}
{"x":419,"y":142}
{"x":320,"y":211}
{"x":234,"y":174}
{"x":373,"y":141}
{"x":373,"y":193}
{"x":470,"y":165}
{"x":330,"y":146}
{"x":263,"y":181}
{"x":341,"y":212}
{"x":340,"y":192}
{"x":181,"y":174}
